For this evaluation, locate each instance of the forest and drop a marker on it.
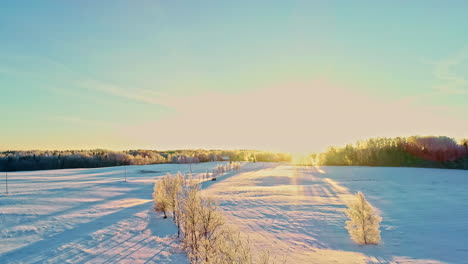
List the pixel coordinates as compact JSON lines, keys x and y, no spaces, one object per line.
{"x":46,"y":160}
{"x":414,"y":151}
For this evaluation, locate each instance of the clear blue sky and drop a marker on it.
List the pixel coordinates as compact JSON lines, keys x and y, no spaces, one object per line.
{"x":280,"y":75}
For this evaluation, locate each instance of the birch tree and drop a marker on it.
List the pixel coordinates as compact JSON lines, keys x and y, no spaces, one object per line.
{"x":160,"y":197}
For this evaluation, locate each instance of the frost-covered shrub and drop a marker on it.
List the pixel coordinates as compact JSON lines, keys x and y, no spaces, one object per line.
{"x":219,"y":170}
{"x":364,"y":223}
{"x":236,"y":166}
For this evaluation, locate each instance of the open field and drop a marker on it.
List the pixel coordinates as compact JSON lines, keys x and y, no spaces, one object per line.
{"x":298,"y":213}
{"x":88,"y":216}
{"x":93,"y":216}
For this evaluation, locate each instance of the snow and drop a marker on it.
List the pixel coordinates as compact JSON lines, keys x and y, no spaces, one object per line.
{"x":297,"y":213}
{"x":88,"y":216}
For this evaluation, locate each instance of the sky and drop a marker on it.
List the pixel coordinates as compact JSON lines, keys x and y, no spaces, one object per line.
{"x":273,"y":75}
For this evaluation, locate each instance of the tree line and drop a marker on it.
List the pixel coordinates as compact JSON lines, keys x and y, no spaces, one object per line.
{"x":201,"y":226}
{"x":414,"y":151}
{"x":67,"y":159}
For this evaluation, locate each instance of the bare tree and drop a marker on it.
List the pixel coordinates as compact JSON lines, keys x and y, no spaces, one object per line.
{"x":211,"y":222}
{"x":233,"y":248}
{"x":178,"y":184}
{"x":266,"y":258}
{"x":189,"y":207}
{"x":206,"y":237}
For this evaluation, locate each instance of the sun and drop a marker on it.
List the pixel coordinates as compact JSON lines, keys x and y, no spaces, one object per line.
{"x":299,"y":158}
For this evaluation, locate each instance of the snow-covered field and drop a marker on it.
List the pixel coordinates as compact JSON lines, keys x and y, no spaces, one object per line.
{"x":87,"y":216}
{"x":93,"y":216}
{"x":298,"y":213}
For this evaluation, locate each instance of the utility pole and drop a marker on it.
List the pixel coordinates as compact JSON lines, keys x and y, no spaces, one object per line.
{"x":6,"y":181}
{"x":125,"y":173}
{"x":6,"y":173}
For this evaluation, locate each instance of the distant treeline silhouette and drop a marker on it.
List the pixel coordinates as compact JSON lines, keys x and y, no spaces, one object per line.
{"x":415,"y":151}
{"x":46,"y":160}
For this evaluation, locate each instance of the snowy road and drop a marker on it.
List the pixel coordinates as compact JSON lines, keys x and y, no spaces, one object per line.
{"x":298,"y":213}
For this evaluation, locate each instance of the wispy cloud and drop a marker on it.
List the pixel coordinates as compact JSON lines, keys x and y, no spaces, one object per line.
{"x":58,"y":77}
{"x":83,"y":122}
{"x":444,"y":72}
{"x":130,"y":93}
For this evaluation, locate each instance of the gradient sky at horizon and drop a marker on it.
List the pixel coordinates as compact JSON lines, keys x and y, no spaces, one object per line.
{"x":273,"y":75}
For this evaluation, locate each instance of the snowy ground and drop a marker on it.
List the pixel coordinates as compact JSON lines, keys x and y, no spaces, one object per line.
{"x":298,"y":213}
{"x":87,"y":216}
{"x":92,"y":216}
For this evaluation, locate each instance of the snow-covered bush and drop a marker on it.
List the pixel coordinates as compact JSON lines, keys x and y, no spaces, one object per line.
{"x":364,"y":223}
{"x":236,"y":166}
{"x":232,"y":166}
{"x":220,"y":169}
